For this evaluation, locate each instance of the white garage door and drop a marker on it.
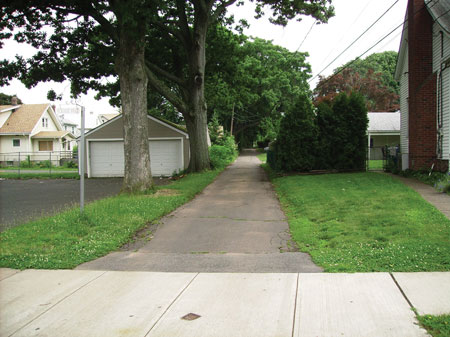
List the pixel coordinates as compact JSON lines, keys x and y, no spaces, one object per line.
{"x":165,"y":157}
{"x":107,"y":158}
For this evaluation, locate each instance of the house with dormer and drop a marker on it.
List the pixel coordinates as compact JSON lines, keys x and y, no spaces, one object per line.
{"x":32,"y":132}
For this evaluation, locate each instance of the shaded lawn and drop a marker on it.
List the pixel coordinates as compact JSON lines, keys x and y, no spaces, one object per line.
{"x":262,"y":157}
{"x":364,"y":222}
{"x":68,"y":239}
{"x":375,"y":164}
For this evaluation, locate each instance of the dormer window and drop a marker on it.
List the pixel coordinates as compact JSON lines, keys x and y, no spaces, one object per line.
{"x":44,"y":122}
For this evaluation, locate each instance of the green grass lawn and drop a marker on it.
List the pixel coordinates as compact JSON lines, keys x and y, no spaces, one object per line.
{"x":364,"y":222}
{"x":69,"y":239}
{"x":54,"y":168}
{"x":262,"y":157}
{"x":375,"y":164}
{"x":437,"y":326}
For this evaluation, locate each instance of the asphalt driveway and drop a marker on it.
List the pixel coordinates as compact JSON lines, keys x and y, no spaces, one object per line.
{"x":23,"y":200}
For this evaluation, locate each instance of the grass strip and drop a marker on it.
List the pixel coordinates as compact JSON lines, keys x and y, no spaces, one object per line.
{"x":40,"y":175}
{"x":437,"y":326}
{"x":364,"y":222}
{"x":68,"y":239}
{"x":375,"y":164}
{"x":262,"y":157}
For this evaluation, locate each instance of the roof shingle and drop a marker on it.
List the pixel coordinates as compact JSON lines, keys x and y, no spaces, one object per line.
{"x":24,"y":119}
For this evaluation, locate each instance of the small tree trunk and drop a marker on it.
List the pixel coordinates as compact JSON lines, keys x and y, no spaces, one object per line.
{"x":133,"y":92}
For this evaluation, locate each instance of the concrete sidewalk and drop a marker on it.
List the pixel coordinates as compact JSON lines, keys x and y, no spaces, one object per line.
{"x":110,"y":303}
{"x":438,"y":199}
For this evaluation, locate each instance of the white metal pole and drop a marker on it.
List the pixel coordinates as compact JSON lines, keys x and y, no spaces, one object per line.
{"x":81,"y":161}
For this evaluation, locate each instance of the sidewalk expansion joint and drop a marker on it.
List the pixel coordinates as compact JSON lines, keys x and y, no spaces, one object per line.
{"x":54,"y":305}
{"x":295,"y":306}
{"x":402,"y":292}
{"x":171,"y":304}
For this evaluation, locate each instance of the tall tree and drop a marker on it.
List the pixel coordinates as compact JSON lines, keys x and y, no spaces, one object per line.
{"x":182,"y":26}
{"x":6,"y":99}
{"x":87,"y":41}
{"x":253,"y":82}
{"x":372,"y":77}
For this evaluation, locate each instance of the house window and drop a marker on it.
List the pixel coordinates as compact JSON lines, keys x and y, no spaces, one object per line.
{"x":45,"y":145}
{"x":442,"y":43}
{"x":16,"y":142}
{"x":44,"y":122}
{"x":68,"y":146}
{"x":371,"y":142}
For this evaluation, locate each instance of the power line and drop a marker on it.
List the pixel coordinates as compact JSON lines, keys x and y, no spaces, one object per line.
{"x":309,"y":31}
{"x":346,"y":32}
{"x":377,"y":43}
{"x":351,"y":44}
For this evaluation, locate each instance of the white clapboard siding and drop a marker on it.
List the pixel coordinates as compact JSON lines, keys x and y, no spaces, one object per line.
{"x":404,"y":94}
{"x":437,"y":42}
{"x":446,"y":113}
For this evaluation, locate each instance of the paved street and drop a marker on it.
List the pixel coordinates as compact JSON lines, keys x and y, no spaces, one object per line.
{"x":235,"y":225}
{"x":23,"y":200}
{"x":74,"y":303}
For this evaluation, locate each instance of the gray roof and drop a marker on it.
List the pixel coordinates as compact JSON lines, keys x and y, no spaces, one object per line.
{"x":384,"y":121}
{"x":440,"y":11}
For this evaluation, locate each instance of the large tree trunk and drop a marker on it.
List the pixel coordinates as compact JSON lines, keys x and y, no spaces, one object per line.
{"x":130,"y":66}
{"x":196,"y":117}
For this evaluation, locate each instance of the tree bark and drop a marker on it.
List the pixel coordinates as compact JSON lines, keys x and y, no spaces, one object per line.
{"x":196,"y":117}
{"x":130,"y":65}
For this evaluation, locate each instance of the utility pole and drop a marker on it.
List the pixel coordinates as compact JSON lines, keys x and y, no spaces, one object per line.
{"x":81,"y":161}
{"x":232,"y":117}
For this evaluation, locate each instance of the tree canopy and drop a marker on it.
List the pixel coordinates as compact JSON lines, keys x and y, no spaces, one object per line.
{"x":138,"y":42}
{"x":373,"y":77}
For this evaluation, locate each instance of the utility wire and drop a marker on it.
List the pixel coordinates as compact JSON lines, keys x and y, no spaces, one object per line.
{"x":345,"y":34}
{"x":377,"y":43}
{"x":309,"y":31}
{"x":351,"y":44}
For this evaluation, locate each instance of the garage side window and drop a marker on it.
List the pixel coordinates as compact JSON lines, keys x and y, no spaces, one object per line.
{"x":16,"y":142}
{"x":45,"y":145}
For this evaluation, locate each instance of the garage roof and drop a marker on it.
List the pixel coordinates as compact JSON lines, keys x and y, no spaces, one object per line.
{"x":384,"y":121}
{"x":168,"y":124}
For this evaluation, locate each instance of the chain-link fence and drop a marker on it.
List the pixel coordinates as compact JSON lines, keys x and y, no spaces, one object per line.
{"x":38,"y":160}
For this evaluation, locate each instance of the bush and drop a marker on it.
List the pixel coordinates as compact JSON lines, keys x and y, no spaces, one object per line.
{"x":223,"y":153}
{"x":296,"y":145}
{"x":27,"y":163}
{"x":70,"y":164}
{"x":45,"y":164}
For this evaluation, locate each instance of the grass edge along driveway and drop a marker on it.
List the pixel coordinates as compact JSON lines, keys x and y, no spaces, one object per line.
{"x":68,"y":239}
{"x":364,"y":222}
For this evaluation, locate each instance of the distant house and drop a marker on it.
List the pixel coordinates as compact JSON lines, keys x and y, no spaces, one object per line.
{"x":33,"y":132}
{"x":423,"y":70}
{"x":383,"y":130}
{"x":103,"y":118}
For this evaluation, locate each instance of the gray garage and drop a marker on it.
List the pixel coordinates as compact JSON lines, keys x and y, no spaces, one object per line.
{"x":168,"y":146}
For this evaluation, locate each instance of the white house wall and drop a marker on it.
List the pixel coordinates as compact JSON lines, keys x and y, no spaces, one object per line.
{"x":446,"y":113}
{"x":437,"y":59}
{"x":51,"y":124}
{"x":404,"y":113}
